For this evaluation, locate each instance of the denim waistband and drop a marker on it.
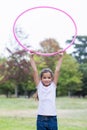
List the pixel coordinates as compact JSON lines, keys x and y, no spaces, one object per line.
{"x":47,"y":116}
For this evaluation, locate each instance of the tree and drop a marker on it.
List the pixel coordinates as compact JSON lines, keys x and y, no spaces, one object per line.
{"x":80,"y":53}
{"x":80,"y":49}
{"x":83,"y":69}
{"x":17,"y":69}
{"x":1,"y":70}
{"x":7,"y":88}
{"x":70,"y":76}
{"x":48,"y":46}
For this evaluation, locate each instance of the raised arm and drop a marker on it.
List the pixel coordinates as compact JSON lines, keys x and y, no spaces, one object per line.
{"x":57,"y":69}
{"x":35,"y":71}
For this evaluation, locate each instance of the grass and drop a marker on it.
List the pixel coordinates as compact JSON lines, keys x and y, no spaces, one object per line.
{"x":17,"y":123}
{"x":71,"y":103}
{"x":20,"y":113}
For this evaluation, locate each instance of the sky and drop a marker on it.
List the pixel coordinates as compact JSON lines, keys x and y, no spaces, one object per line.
{"x":10,"y":9}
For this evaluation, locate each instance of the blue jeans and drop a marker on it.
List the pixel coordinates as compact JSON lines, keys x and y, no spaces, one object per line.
{"x":47,"y":122}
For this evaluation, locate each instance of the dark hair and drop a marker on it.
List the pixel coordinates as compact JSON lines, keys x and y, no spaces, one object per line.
{"x":45,"y":70}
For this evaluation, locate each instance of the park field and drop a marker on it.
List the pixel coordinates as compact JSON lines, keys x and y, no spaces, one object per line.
{"x":20,"y":113}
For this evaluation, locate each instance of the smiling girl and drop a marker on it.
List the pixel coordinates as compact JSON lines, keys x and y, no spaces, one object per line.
{"x":46,"y":85}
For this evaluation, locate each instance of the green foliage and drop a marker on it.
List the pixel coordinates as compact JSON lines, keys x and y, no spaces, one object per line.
{"x":2,"y":64}
{"x":70,"y":76}
{"x":83,"y":69}
{"x":40,"y":62}
{"x":80,"y":53}
{"x":7,"y":88}
{"x":80,"y":49}
{"x":17,"y":69}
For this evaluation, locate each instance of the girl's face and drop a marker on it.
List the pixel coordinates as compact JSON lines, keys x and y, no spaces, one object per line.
{"x":46,"y":79}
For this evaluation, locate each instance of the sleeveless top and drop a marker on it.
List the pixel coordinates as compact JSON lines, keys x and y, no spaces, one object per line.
{"x":47,"y":97}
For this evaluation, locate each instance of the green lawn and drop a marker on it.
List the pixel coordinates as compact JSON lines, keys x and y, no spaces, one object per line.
{"x":17,"y":123}
{"x":20,"y":113}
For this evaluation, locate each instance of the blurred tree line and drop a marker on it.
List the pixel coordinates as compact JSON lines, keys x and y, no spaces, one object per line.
{"x":80,"y":54}
{"x":16,"y":77}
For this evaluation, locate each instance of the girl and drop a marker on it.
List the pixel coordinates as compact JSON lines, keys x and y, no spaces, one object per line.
{"x":46,"y":85}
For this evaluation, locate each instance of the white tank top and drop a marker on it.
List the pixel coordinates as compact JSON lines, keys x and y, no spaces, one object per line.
{"x":47,"y":97}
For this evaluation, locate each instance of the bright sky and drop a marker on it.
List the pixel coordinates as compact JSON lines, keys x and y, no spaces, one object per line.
{"x":10,"y":9}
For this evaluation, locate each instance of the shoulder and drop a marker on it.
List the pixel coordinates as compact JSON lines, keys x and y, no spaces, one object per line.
{"x":39,"y":84}
{"x":53,"y":84}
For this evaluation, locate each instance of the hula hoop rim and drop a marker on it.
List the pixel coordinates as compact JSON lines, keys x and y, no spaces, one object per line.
{"x":50,"y":7}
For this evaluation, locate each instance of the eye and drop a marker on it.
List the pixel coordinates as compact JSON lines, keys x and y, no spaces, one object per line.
{"x":49,"y":77}
{"x":44,"y":77}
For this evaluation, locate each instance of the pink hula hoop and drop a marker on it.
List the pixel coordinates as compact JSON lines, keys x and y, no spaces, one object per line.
{"x":39,"y":53}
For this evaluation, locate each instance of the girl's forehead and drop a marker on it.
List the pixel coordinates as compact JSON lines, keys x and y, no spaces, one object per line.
{"x":46,"y":74}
